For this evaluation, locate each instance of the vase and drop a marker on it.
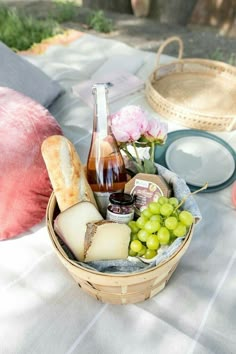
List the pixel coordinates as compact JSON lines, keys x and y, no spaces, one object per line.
{"x":140,"y":7}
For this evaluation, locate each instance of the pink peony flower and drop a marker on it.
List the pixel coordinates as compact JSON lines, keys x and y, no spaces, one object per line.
{"x":129,"y":124}
{"x":156,"y":130}
{"x":138,"y":135}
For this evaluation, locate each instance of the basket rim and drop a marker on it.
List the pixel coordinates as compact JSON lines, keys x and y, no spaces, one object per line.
{"x":155,"y":99}
{"x":190,"y":117}
{"x":174,"y":106}
{"x":57,"y":246}
{"x":209,"y":62}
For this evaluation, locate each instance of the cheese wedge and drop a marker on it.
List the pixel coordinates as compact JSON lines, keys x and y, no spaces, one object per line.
{"x":106,"y":240}
{"x":71,"y":225}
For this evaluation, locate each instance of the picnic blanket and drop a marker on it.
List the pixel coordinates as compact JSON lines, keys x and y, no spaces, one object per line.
{"x":42,"y":309}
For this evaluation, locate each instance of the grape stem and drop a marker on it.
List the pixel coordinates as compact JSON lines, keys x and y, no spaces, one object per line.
{"x":188,"y":195}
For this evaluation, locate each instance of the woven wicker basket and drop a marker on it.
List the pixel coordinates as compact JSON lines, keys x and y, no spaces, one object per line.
{"x":116,"y":288}
{"x":196,"y":93}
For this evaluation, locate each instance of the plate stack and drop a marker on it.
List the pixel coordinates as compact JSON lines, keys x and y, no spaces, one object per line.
{"x":198,"y":157}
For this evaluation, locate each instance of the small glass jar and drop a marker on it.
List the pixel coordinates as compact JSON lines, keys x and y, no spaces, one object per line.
{"x":120,"y":208}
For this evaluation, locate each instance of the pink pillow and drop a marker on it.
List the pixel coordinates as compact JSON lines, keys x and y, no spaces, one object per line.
{"x":24,"y":182}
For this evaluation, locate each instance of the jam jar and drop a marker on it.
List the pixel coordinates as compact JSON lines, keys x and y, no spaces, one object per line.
{"x":120,"y":208}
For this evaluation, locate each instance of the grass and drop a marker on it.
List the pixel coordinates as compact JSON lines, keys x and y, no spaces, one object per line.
{"x":19,"y":31}
{"x":65,"y":11}
{"x":99,"y":22}
{"x":220,"y":56}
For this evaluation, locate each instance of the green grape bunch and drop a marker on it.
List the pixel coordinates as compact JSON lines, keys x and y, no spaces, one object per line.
{"x":159,"y":224}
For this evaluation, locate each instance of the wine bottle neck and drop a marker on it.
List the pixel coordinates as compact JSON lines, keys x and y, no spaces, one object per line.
{"x":100,"y":124}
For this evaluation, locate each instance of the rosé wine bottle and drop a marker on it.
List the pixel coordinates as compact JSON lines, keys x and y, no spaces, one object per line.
{"x":105,"y":166}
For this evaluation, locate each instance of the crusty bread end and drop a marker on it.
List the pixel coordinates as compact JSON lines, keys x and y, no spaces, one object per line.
{"x":66,"y":172}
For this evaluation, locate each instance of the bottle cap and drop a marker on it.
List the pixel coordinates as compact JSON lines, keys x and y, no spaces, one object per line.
{"x":121,"y":198}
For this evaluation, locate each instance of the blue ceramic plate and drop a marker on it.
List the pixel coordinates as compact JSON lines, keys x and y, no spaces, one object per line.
{"x":198,"y":157}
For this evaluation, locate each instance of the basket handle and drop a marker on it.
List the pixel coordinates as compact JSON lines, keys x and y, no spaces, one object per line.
{"x":165,"y":44}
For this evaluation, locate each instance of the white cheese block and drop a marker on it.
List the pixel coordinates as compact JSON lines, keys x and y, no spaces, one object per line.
{"x":106,"y":240}
{"x":71,"y":226}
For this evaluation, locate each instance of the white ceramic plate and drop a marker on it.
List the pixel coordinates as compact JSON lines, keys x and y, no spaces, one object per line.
{"x":199,"y":160}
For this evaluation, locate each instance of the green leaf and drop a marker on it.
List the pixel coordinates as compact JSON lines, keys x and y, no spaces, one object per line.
{"x":138,"y":167}
{"x":149,"y":167}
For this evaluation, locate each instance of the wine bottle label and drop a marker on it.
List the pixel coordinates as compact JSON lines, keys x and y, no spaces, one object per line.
{"x":102,"y":199}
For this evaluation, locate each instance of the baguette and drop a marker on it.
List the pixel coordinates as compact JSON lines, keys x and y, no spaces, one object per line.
{"x":66,"y":172}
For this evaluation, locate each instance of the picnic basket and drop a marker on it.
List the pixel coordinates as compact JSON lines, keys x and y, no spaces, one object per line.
{"x":196,"y":93}
{"x":116,"y":288}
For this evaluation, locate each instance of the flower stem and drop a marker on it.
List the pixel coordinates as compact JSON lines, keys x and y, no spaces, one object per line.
{"x":124,"y":148}
{"x":136,"y":153}
{"x":152,"y":151}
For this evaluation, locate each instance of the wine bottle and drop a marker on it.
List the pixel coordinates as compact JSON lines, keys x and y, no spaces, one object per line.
{"x":105,"y":166}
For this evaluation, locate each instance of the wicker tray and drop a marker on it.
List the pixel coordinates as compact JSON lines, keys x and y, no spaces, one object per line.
{"x":116,"y":288}
{"x":196,"y":93}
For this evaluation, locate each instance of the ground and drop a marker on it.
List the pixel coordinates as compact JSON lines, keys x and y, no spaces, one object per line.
{"x":148,"y":34}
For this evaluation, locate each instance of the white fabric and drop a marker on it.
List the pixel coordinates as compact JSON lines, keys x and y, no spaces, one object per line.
{"x":42,"y":309}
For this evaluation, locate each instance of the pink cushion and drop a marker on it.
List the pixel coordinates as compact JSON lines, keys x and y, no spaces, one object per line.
{"x":24,"y":182}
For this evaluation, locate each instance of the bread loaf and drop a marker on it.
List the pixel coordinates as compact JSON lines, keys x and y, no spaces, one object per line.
{"x":66,"y":172}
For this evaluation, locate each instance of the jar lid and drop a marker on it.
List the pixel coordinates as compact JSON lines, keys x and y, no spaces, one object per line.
{"x":121,"y":198}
